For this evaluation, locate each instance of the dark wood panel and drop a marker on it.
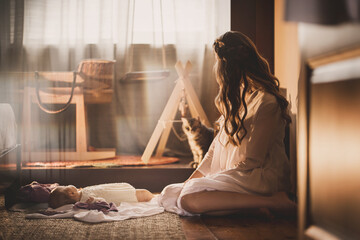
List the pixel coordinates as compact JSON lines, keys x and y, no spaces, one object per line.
{"x":243,"y":17}
{"x":265,"y":30}
{"x":334,"y":157}
{"x":255,"y":18}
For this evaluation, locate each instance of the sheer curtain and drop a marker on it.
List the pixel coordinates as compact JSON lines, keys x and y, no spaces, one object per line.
{"x":55,"y":36}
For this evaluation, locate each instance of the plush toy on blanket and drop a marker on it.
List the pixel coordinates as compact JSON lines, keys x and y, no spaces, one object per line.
{"x":110,"y":193}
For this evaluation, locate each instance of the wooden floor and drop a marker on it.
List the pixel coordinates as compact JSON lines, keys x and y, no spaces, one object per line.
{"x":256,"y":225}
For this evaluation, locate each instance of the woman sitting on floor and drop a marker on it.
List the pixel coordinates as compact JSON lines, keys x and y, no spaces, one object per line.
{"x":246,"y":165}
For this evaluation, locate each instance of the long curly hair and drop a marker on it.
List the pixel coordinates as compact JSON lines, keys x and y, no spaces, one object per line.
{"x":238,"y":69}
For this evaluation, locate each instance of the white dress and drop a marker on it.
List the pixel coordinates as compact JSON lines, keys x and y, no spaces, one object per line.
{"x":110,"y":192}
{"x":259,"y":166}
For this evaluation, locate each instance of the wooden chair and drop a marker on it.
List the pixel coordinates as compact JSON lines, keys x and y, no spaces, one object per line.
{"x":92,"y":83}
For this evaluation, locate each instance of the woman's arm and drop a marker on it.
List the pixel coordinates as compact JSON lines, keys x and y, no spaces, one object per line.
{"x":205,"y":165}
{"x":261,"y":134}
{"x":195,"y":174}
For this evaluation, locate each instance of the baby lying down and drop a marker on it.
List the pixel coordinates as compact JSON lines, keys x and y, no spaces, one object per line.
{"x":110,"y":192}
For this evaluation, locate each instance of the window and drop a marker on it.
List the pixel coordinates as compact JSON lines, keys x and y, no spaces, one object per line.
{"x":129,"y":21}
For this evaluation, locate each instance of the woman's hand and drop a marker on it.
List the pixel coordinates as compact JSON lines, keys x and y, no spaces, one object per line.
{"x":95,"y":199}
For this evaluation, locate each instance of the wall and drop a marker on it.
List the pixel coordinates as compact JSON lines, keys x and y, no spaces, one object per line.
{"x":287,"y":53}
{"x":287,"y":68}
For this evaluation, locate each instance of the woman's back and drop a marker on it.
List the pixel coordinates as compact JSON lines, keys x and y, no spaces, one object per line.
{"x":261,"y":153}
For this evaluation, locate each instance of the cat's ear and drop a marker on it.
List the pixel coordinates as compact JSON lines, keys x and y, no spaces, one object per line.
{"x":184,"y":120}
{"x":197,"y":122}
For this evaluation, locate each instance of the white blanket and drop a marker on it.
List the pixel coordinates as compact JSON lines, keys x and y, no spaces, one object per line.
{"x":8,"y":127}
{"x":125,"y":211}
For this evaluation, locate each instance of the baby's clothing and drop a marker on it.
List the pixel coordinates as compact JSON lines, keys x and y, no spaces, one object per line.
{"x":99,"y":205}
{"x":110,"y":192}
{"x":36,"y":192}
{"x":259,"y":166}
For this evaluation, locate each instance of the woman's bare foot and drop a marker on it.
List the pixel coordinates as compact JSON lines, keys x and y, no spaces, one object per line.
{"x":282,"y":203}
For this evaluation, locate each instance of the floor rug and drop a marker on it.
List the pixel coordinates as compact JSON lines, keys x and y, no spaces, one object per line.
{"x":13,"y":225}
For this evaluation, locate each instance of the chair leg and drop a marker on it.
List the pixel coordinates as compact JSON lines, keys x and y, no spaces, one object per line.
{"x":81,"y":133}
{"x":26,"y":125}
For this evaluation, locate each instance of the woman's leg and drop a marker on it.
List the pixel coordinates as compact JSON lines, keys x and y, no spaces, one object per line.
{"x":143,"y":195}
{"x":213,"y":202}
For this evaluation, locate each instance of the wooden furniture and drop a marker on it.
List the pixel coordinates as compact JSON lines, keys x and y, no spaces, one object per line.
{"x":163,"y":127}
{"x":329,"y":130}
{"x":93,"y":84}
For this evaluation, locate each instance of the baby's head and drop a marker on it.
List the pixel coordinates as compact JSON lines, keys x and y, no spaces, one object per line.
{"x":63,"y":195}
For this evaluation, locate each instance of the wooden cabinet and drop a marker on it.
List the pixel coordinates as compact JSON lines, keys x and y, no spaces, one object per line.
{"x":329,"y":132}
